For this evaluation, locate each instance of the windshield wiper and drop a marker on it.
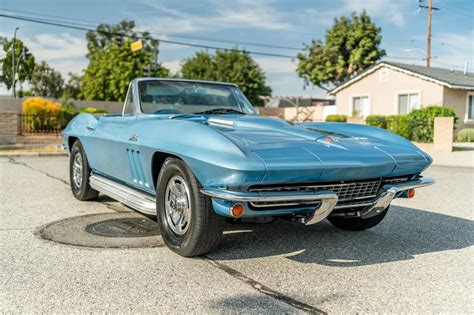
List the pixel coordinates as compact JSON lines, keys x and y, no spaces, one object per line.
{"x":220,"y":111}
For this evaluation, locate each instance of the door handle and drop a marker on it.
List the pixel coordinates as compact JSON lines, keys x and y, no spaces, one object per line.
{"x":90,"y":128}
{"x":133,"y":137}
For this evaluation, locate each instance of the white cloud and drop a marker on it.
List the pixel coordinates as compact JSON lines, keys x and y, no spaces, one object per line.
{"x":453,"y":50}
{"x":387,"y":9}
{"x":174,"y":65}
{"x":276,"y":65}
{"x":57,"y":46}
{"x":63,"y":52}
{"x":392,"y":11}
{"x":242,"y":14}
{"x":448,"y":50}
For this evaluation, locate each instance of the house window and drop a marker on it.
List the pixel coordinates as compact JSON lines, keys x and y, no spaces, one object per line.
{"x":408,"y":102}
{"x":360,"y":106}
{"x":470,"y":107}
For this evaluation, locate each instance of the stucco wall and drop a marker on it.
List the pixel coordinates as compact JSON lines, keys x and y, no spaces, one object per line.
{"x":383,"y":96}
{"x":457,"y":100}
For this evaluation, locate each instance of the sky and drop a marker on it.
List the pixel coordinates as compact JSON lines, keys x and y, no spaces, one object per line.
{"x":289,"y":23}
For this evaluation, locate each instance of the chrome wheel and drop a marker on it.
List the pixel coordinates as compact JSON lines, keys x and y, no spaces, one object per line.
{"x":178,"y":205}
{"x":77,"y":170}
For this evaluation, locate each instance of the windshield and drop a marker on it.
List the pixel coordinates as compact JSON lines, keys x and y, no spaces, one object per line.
{"x":181,"y":97}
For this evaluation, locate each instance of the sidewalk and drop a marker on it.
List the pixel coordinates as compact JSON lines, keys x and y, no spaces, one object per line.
{"x":453,"y":159}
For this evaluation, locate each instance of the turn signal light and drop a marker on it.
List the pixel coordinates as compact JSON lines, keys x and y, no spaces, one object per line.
{"x":237,"y":210}
{"x":411,"y":193}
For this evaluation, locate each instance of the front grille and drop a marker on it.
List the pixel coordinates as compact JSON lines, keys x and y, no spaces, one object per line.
{"x":346,"y":191}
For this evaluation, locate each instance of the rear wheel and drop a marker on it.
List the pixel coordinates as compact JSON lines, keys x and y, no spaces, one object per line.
{"x":357,"y":224}
{"x":79,"y":173}
{"x":187,"y":221}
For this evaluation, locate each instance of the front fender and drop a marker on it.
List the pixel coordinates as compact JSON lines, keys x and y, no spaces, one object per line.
{"x":77,"y":127}
{"x":214,"y":159}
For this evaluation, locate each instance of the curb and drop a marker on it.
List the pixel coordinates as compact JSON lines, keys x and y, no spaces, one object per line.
{"x":20,"y":154}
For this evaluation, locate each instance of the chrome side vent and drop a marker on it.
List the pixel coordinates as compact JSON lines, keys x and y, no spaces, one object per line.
{"x":136,"y":167}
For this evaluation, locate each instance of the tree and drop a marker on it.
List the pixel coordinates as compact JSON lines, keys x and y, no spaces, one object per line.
{"x":73,"y":87}
{"x":112,"y":64}
{"x":228,"y":66}
{"x":24,"y":66}
{"x":45,"y":81}
{"x":351,"y":45}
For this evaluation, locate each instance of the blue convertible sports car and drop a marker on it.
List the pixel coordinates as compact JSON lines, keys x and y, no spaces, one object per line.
{"x":194,"y":153}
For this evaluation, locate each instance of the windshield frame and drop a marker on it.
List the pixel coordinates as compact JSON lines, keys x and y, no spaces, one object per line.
{"x":246,"y":108}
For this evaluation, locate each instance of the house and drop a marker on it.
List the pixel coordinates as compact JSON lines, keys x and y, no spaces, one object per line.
{"x":292,"y":101}
{"x":298,"y":108}
{"x":391,"y":88}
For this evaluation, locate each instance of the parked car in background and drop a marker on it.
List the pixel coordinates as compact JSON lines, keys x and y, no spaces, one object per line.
{"x":195,"y":153}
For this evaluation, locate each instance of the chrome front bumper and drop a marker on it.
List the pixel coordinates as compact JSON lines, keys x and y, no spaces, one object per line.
{"x":328,"y":199}
{"x":389,"y":193}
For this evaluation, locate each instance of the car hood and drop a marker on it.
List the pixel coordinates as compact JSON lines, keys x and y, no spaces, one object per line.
{"x":308,"y":153}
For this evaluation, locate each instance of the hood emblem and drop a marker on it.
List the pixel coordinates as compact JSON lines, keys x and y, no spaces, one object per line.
{"x":326,"y":140}
{"x":330,"y":142}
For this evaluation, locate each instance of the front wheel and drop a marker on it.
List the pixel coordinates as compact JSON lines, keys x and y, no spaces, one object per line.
{"x":357,"y":224}
{"x":79,"y":173}
{"x":188,"y":224}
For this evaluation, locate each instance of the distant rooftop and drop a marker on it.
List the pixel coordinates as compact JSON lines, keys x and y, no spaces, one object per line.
{"x":452,"y":78}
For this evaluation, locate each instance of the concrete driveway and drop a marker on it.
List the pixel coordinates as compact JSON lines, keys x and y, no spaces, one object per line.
{"x":420,"y":259}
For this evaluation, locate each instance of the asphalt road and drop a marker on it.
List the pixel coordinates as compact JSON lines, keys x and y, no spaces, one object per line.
{"x":419,"y":259}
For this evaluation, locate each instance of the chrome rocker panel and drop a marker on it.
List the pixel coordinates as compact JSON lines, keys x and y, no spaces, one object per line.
{"x":131,"y":197}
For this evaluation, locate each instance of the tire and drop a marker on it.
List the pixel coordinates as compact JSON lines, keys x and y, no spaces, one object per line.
{"x":203,"y":229}
{"x":357,"y":224}
{"x":79,"y":176}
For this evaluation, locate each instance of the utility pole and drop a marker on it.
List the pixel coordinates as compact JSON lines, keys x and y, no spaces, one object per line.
{"x":428,"y":49}
{"x":430,"y":12}
{"x":13,"y":62}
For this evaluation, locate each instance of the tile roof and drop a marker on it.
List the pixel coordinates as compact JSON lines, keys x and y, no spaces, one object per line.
{"x":451,"y":78}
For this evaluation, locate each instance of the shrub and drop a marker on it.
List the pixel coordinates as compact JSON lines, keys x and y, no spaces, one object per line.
{"x":40,"y":106}
{"x":92,"y":110}
{"x":376,"y":121}
{"x":401,"y":125}
{"x":423,"y":127}
{"x":336,"y":118}
{"x":41,"y":114}
{"x":466,"y":135}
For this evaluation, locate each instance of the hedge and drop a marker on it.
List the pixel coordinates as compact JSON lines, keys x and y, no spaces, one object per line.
{"x":336,"y":118}
{"x":466,"y":135}
{"x":401,"y":125}
{"x":376,"y":121}
{"x":424,"y":128}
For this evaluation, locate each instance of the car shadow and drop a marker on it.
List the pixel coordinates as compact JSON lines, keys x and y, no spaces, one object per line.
{"x":404,"y":233}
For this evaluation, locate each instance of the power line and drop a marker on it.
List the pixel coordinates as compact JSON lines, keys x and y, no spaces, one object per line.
{"x":80,"y":27}
{"x":459,"y":10}
{"x":88,"y":23}
{"x":83,"y":28}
